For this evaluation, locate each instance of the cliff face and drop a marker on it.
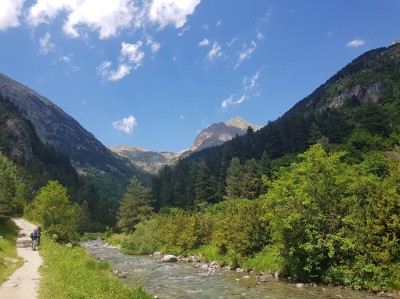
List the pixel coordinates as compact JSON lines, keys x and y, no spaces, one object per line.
{"x":21,"y":149}
{"x":60,"y":130}
{"x":17,"y":137}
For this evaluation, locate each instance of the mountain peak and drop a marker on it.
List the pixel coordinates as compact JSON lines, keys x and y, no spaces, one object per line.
{"x":241,"y":123}
{"x":219,"y":133}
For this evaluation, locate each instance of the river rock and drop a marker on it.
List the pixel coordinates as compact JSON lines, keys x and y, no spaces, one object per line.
{"x":120,"y":274}
{"x":169,"y":258}
{"x":194,"y":259}
{"x":262,"y":277}
{"x":157,"y":254}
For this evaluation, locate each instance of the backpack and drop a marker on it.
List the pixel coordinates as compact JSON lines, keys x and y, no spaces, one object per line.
{"x":34,"y":234}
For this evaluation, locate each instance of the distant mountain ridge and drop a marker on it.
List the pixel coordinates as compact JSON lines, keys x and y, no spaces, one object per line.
{"x":143,"y":158}
{"x":60,"y":130}
{"x":214,"y":135}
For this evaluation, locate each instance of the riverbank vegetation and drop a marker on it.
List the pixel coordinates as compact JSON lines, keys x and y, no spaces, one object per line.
{"x":9,"y":260}
{"x":71,"y":272}
{"x":320,"y":219}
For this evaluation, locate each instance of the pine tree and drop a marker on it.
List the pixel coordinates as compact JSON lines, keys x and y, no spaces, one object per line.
{"x":8,"y":185}
{"x":234,"y":180}
{"x":135,"y":206}
{"x":252,"y":183}
{"x":202,"y":183}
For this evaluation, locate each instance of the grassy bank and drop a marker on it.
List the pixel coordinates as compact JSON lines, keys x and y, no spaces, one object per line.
{"x":9,"y":261}
{"x":74,"y":273}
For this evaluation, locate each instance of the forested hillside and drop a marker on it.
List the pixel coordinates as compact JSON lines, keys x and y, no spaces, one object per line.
{"x":314,"y":195}
{"x":35,"y":163}
{"x":356,"y":110}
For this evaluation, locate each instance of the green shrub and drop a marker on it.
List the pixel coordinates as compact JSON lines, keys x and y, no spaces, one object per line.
{"x":144,"y":240}
{"x":212,"y":253}
{"x":268,"y":260}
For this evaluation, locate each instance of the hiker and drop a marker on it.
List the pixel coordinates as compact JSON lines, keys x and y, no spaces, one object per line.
{"x":35,"y":238}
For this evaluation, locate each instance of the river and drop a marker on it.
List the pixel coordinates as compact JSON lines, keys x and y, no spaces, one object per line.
{"x":183,"y":280}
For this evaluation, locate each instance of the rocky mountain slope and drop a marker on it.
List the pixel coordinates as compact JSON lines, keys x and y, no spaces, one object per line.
{"x":219,"y":133}
{"x":213,"y":135}
{"x":142,"y":158}
{"x":64,"y":133}
{"x":356,"y":112}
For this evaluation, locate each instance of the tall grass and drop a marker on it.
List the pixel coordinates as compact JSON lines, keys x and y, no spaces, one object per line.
{"x":9,"y":260}
{"x":74,"y":273}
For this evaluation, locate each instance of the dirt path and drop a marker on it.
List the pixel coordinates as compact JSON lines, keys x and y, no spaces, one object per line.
{"x":24,"y":282}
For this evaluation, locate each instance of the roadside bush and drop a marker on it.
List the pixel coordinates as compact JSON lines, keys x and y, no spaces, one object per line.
{"x":54,"y":211}
{"x":144,"y":240}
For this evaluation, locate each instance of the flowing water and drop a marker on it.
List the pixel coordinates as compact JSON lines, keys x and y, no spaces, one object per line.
{"x":183,"y":280}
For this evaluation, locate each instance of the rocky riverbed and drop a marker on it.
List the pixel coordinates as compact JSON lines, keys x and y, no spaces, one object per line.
{"x":183,"y":279}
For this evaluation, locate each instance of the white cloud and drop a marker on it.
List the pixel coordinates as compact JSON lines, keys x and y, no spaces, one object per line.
{"x":246,"y":53}
{"x":204,"y":42}
{"x":104,"y":69}
{"x":250,"y":83}
{"x":154,"y":46}
{"x":132,"y":54}
{"x":171,"y":12}
{"x":46,"y":45}
{"x":231,"y":42}
{"x":260,"y":36}
{"x":126,"y":124}
{"x":355,"y":43}
{"x":214,"y":52}
{"x":231,"y":101}
{"x":106,"y":17}
{"x":248,"y":91}
{"x":219,"y":22}
{"x":122,"y":71}
{"x":9,"y":13}
{"x":65,"y":59}
{"x":186,"y":28}
{"x":110,"y":75}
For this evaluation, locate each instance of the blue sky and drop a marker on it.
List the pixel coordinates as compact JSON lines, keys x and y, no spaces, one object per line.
{"x":155,"y":73}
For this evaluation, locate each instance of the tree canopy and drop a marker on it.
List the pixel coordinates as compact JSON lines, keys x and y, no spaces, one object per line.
{"x":134,"y":206}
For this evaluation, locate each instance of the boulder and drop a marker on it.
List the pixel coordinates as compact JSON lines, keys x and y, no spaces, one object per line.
{"x":169,"y":258}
